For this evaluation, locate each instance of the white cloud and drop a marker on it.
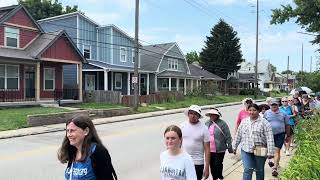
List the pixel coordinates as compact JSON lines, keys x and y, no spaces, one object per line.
{"x":104,"y":18}
{"x":7,"y":2}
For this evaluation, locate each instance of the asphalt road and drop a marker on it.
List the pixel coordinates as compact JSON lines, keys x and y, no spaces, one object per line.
{"x":134,"y":147}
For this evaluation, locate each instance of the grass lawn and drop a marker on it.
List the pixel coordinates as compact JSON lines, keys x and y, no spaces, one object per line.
{"x":15,"y":118}
{"x":96,"y":106}
{"x":193,"y":100}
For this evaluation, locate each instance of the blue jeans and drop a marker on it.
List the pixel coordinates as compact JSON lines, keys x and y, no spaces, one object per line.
{"x":252,"y":163}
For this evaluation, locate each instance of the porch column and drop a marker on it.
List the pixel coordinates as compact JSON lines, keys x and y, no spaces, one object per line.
{"x":128,"y":89}
{"x":148,"y":84}
{"x":155,"y":83}
{"x":80,"y":81}
{"x":197,"y":83}
{"x":185,"y":87}
{"x":111,"y":81}
{"x":105,"y":80}
{"x":38,"y":82}
{"x":177,"y":84}
{"x":139,"y":82}
{"x":169,"y":83}
{"x":225,"y":87}
{"x":191,"y":85}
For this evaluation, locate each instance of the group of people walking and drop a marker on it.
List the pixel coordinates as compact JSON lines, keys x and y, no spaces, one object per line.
{"x":196,"y":148}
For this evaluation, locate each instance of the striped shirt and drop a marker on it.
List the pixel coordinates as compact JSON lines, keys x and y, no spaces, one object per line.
{"x":251,"y":133}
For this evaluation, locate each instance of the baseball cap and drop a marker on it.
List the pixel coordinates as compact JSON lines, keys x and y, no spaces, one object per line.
{"x":274,"y":101}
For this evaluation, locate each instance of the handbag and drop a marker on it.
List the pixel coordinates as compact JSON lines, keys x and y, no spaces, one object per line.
{"x":261,"y":151}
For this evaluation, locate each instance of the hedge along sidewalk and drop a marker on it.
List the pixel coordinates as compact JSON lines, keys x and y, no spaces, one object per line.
{"x":61,"y":127}
{"x":305,"y":164}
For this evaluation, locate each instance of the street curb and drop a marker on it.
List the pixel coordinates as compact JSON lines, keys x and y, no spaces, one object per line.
{"x":61,"y":127}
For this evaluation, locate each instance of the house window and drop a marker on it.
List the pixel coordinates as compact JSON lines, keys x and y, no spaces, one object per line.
{"x":2,"y":76}
{"x":118,"y":81}
{"x":123,"y":55}
{"x":173,"y":64}
{"x":11,"y":37}
{"x":266,"y":85}
{"x":133,"y":55}
{"x":9,"y":77}
{"x":164,"y":83}
{"x":49,"y":79}
{"x":87,"y":51}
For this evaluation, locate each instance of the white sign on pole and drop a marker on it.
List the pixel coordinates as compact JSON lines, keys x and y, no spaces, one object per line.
{"x":134,"y":79}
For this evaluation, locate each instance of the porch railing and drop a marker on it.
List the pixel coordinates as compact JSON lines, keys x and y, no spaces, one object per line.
{"x":13,"y":95}
{"x":22,"y":95}
{"x":60,"y":94}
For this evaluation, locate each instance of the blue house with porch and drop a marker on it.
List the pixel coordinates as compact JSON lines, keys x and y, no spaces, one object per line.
{"x":108,"y":50}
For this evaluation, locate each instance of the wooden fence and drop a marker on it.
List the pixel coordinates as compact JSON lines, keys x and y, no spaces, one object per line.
{"x":111,"y":97}
{"x":158,"y":97}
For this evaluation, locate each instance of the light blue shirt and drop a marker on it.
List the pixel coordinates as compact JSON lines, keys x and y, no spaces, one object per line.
{"x":278,"y":121}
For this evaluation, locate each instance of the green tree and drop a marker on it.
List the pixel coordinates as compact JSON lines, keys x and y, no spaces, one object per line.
{"x":40,"y":9}
{"x":289,"y":72}
{"x":221,"y":53}
{"x":310,"y":80}
{"x":192,"y":57}
{"x":305,"y":13}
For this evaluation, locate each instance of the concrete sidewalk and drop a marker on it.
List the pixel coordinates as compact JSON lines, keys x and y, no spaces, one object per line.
{"x":236,"y":171}
{"x":61,"y":127}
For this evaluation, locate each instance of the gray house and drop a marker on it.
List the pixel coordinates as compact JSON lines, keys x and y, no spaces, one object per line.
{"x":171,"y":70}
{"x":108,"y":50}
{"x":207,"y":79}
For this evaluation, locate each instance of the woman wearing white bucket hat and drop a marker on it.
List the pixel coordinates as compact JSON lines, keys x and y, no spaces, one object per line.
{"x":220,"y":141}
{"x":195,"y":142}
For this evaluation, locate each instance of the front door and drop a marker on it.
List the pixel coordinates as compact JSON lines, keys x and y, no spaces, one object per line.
{"x":90,"y":83}
{"x":30,"y":84}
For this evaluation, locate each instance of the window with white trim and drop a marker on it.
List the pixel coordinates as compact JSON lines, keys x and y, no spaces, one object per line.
{"x":133,"y":55}
{"x":172,"y":64}
{"x":9,"y":76}
{"x":87,"y":51}
{"x":11,"y":37}
{"x":118,"y":81}
{"x":164,"y":83}
{"x":123,"y":54}
{"x":49,"y":81}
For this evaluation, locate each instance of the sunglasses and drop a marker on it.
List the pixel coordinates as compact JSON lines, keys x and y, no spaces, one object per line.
{"x":284,"y":101}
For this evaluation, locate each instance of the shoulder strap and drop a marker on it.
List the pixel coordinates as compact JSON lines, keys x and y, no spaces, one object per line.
{"x":216,"y":125}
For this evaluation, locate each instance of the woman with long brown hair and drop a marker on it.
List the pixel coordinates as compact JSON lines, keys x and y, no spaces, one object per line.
{"x":84,"y":152}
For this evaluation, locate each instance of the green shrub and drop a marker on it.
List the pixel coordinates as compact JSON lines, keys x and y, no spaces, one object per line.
{"x":305,"y":165}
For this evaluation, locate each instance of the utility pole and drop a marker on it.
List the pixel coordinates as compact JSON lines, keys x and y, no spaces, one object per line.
{"x":135,"y":78}
{"x":302,"y":59}
{"x":311,"y":65}
{"x":288,"y":76}
{"x":257,"y":41}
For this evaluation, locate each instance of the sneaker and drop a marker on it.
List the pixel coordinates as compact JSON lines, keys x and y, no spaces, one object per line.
{"x":274,"y":173}
{"x":288,"y":153}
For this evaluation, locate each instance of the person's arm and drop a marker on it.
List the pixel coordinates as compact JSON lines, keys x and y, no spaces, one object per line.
{"x":237,"y":139}
{"x":238,"y":121}
{"x":270,"y":140}
{"x":207,"y":159}
{"x":102,"y":164}
{"x":190,"y":170}
{"x":228,"y":137}
{"x":293,"y":112}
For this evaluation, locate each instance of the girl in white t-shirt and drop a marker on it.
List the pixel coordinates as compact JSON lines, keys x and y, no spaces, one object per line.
{"x":175,"y":164}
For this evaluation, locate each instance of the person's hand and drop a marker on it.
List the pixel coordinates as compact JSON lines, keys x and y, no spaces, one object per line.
{"x":206,"y":172}
{"x":287,"y":139}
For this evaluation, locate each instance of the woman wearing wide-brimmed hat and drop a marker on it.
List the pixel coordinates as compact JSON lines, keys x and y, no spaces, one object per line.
{"x":220,"y":141}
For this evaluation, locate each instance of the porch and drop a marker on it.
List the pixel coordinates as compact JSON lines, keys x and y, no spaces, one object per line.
{"x":29,"y":82}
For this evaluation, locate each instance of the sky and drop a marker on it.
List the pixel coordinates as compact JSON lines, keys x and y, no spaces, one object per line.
{"x":188,"y":22}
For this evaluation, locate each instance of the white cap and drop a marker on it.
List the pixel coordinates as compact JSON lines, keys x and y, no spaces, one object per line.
{"x":213,"y":111}
{"x":194,"y":108}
